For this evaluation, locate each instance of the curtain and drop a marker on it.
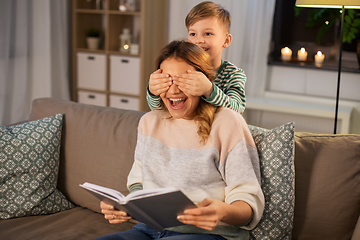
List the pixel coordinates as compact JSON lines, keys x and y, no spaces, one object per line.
{"x":34,"y":55}
{"x":251,"y":29}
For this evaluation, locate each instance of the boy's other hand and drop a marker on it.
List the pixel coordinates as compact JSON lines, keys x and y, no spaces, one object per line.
{"x":194,"y":83}
{"x":159,"y":82}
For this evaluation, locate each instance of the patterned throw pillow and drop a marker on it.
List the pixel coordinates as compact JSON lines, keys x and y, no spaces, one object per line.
{"x":276,"y":154}
{"x":29,"y":165}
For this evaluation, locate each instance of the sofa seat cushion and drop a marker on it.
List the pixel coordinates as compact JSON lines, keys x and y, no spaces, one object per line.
{"x":75,"y":224}
{"x":327,"y":186}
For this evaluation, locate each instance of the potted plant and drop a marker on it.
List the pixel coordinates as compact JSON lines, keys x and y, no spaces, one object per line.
{"x":317,"y":17}
{"x":92,"y":38}
{"x":352,"y":29}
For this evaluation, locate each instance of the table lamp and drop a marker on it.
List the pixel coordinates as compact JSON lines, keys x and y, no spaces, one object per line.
{"x":343,"y":4}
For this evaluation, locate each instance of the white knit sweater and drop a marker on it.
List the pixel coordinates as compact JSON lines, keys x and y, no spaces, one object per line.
{"x":226,"y":167}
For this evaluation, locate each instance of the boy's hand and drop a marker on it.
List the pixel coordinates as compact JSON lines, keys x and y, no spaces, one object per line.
{"x":194,"y":83}
{"x":112,"y":215}
{"x":159,"y":82}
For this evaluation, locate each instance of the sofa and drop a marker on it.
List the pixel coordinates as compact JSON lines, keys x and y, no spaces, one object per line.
{"x":312,"y":184}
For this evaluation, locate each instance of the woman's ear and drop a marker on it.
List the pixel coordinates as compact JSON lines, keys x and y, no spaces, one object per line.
{"x":228,"y":40}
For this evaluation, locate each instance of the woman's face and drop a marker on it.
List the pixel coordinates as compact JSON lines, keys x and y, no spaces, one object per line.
{"x":179,"y":104}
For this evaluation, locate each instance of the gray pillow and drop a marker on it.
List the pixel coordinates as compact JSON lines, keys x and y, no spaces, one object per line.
{"x":276,"y":155}
{"x":29,"y":165}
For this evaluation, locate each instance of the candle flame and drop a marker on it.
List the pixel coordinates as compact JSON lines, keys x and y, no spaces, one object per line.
{"x":302,"y":50}
{"x":287,"y":49}
{"x":319,"y":53}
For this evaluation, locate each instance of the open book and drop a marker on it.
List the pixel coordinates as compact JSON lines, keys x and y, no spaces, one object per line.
{"x":157,"y":208}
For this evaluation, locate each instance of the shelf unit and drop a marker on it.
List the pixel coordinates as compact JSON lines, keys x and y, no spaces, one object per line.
{"x":106,"y":76}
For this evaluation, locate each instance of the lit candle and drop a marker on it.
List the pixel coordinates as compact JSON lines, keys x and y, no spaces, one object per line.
{"x":319,"y":58}
{"x":302,"y":54}
{"x":286,"y":54}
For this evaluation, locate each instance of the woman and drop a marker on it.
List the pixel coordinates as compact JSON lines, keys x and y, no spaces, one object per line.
{"x":205,"y":151}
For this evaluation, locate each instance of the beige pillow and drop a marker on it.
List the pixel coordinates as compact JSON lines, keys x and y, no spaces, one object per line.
{"x":327,"y":186}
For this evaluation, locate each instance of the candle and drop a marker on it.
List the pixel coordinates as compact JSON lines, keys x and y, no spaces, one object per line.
{"x":302,"y":54}
{"x":286,"y":54}
{"x":134,"y":48}
{"x":319,"y":58}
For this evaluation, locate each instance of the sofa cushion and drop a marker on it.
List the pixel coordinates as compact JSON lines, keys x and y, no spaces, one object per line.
{"x":75,"y":224}
{"x":327,"y":204}
{"x":98,"y":146}
{"x":29,"y":165}
{"x":276,"y":155}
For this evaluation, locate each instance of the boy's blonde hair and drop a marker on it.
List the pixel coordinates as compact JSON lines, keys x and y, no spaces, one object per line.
{"x":208,"y":9}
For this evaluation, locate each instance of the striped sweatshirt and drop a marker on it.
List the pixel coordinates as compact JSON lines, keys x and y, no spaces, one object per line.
{"x":226,"y":167}
{"x":229,"y":89}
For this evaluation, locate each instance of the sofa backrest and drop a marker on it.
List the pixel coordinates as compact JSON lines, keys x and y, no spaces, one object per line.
{"x":97,"y":146}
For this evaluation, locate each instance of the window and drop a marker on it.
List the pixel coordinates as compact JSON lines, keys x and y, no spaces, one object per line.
{"x":289,"y":30}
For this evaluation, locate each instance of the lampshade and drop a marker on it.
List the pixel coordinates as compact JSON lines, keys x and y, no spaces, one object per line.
{"x":351,"y":4}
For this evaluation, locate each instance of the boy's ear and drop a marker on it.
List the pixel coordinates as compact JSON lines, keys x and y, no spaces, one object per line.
{"x":228,"y":40}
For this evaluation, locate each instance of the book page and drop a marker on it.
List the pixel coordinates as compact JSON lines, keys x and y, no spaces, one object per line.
{"x":116,"y":195}
{"x":149,"y":192}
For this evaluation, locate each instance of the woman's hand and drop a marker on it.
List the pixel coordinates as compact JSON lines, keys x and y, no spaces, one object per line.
{"x":206,"y":216}
{"x":112,"y":215}
{"x":210,"y":212}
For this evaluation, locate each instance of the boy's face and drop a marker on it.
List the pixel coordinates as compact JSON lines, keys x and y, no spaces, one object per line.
{"x":211,"y":35}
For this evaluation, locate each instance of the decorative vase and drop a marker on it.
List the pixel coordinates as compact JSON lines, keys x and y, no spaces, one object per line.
{"x":92,"y":42}
{"x":125,"y":40}
{"x":358,"y":51}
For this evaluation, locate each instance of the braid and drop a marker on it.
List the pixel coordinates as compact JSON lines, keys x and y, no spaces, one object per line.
{"x":205,"y":118}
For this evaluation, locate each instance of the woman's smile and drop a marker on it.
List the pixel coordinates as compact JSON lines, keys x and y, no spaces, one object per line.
{"x":177,"y":103}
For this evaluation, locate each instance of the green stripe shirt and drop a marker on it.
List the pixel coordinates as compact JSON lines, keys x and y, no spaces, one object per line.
{"x":229,"y":89}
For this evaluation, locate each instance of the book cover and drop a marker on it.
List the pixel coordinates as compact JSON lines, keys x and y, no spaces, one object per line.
{"x":157,"y":208}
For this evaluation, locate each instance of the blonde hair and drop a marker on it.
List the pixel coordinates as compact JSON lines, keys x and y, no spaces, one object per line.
{"x":208,"y":9}
{"x":200,"y":60}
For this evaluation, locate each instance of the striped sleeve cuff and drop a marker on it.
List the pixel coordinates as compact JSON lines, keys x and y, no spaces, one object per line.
{"x":135,"y":187}
{"x":153,"y":101}
{"x":213,"y":97}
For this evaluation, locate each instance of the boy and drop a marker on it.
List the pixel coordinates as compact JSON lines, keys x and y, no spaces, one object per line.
{"x":208,"y":26}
